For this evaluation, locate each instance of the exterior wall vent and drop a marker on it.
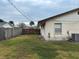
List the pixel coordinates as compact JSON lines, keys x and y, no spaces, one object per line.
{"x":75,"y":37}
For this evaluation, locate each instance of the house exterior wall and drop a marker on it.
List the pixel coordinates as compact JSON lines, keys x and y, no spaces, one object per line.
{"x":70,"y":22}
{"x":42,"y":31}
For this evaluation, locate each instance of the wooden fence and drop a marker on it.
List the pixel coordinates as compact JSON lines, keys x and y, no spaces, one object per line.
{"x":6,"y":33}
{"x":31,"y":31}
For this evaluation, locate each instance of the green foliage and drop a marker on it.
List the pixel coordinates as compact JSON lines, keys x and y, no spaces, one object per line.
{"x":11,"y":22}
{"x":1,"y":20}
{"x":32,"y":23}
{"x":22,"y":25}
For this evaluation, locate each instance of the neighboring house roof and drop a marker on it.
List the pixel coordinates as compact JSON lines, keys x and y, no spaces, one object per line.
{"x":42,"y":22}
{"x":5,"y":25}
{"x":16,"y":26}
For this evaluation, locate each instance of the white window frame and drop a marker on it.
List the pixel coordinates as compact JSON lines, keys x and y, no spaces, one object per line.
{"x":58,"y":28}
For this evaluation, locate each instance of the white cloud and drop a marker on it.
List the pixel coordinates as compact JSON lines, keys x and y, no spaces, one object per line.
{"x":48,"y":3}
{"x":20,"y":0}
{"x":5,"y":1}
{"x":41,"y":3}
{"x":38,"y":9}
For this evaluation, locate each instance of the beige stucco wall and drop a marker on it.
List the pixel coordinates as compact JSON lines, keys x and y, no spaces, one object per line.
{"x":70,"y":22}
{"x":42,"y":31}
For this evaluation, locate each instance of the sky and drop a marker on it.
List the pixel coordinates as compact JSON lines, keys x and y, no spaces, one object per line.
{"x":35,"y":9}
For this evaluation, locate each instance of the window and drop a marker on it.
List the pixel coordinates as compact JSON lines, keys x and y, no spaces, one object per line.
{"x":58,"y":28}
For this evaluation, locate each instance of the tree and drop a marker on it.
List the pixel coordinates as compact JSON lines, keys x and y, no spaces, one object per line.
{"x":22,"y":25}
{"x":1,"y":20}
{"x":32,"y":23}
{"x":11,"y":22}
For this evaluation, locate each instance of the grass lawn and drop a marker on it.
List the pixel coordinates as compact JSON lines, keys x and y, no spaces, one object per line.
{"x":30,"y":47}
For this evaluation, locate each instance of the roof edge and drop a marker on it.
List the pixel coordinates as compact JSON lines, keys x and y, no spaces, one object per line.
{"x":44,"y":20}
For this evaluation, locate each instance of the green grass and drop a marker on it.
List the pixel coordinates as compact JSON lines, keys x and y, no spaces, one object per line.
{"x":31,"y":47}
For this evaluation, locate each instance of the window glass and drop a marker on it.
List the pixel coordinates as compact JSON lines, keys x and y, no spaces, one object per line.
{"x":58,"y":28}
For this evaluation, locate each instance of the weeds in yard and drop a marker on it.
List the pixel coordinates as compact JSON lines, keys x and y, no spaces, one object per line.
{"x":30,"y":47}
